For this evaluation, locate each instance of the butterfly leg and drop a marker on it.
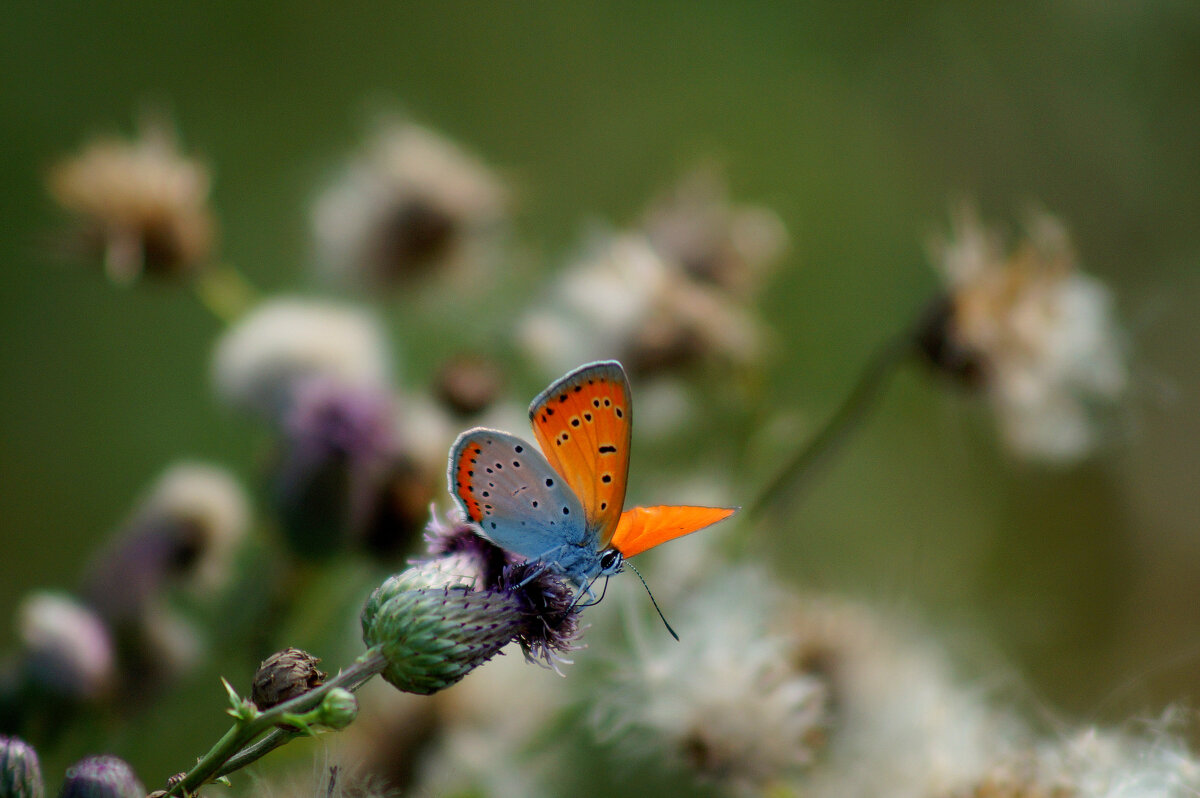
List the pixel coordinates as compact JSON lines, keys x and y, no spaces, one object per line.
{"x":544,"y":562}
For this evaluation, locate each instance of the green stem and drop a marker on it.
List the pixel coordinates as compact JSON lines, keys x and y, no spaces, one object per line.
{"x":236,"y":748}
{"x":852,"y":411}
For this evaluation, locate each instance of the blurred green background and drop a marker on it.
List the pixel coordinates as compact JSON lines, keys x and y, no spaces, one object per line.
{"x":859,"y":123}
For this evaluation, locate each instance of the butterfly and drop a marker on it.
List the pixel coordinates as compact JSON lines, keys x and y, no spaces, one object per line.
{"x":563,"y":507}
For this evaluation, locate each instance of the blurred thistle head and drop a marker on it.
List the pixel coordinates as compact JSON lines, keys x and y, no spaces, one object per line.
{"x":337,"y":446}
{"x":261,"y":359}
{"x":20,"y":772}
{"x":435,"y":623}
{"x":141,"y":206}
{"x":184,"y":534}
{"x":66,"y":650}
{"x":1032,"y":330}
{"x":285,"y":675}
{"x":410,"y":205}
{"x":623,"y":298}
{"x":102,"y":777}
{"x":730,"y":246}
{"x":729,"y":703}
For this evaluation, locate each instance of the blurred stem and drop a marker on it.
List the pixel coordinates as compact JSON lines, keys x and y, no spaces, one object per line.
{"x":848,"y":416}
{"x":238,"y":747}
{"x":224,"y":291}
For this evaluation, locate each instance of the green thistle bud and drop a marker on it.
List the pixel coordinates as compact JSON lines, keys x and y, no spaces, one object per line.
{"x":433,"y":637}
{"x":101,"y":777}
{"x":20,"y":774}
{"x":433,"y":630}
{"x":338,"y":709}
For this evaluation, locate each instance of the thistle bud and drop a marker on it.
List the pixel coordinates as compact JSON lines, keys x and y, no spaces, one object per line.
{"x":102,"y":777}
{"x":20,"y":773}
{"x":433,"y":630}
{"x":285,"y":675}
{"x":338,"y":709}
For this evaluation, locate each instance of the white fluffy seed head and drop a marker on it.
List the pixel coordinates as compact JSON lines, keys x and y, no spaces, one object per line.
{"x":1053,"y":356}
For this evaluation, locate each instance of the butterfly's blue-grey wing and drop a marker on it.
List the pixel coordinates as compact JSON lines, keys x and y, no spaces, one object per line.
{"x":506,"y":486}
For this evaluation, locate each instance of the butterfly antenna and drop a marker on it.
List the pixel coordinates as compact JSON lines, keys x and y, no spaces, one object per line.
{"x":652,"y":601}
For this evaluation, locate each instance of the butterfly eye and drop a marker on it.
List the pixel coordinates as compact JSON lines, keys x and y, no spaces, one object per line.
{"x":610,"y":561}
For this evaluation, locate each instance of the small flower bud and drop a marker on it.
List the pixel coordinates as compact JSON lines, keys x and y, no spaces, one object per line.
{"x":20,"y":773}
{"x":284,"y":676}
{"x":66,"y":649}
{"x":101,"y":777}
{"x":338,"y":709}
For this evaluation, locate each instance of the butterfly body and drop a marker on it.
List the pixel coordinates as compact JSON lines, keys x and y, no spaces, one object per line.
{"x":563,"y":508}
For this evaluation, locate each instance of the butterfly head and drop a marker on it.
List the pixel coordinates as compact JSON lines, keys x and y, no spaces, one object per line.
{"x":611,"y":562}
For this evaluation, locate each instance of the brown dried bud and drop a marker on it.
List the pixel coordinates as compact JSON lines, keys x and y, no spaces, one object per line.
{"x":285,"y":675}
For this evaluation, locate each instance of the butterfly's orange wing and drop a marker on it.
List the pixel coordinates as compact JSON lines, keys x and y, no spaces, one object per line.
{"x":644,"y":528}
{"x":582,"y":423}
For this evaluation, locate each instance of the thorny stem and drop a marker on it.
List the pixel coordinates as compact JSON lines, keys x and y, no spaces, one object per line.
{"x":224,"y":291}
{"x":852,"y":411}
{"x":237,"y":748}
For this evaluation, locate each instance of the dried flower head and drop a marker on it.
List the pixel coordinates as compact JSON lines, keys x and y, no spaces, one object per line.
{"x":1037,"y":333}
{"x":625,"y":299}
{"x":715,"y":241}
{"x":411,"y":204}
{"x":102,"y":777}
{"x":259,"y":361}
{"x":20,"y":772}
{"x":66,"y":649}
{"x":142,"y":207}
{"x":285,"y":675}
